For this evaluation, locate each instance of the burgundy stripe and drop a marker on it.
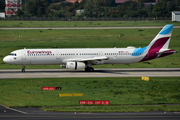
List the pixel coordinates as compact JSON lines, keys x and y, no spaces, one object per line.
{"x":152,"y":53}
{"x":159,"y":43}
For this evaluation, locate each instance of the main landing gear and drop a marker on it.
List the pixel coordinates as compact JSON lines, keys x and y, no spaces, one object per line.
{"x":23,"y":69}
{"x":89,"y":69}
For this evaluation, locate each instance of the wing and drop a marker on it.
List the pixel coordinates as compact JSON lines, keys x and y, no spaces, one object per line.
{"x":94,"y":60}
{"x":100,"y":58}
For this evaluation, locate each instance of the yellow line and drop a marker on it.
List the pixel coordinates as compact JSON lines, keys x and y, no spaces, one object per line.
{"x":70,"y":94}
{"x":14,"y":109}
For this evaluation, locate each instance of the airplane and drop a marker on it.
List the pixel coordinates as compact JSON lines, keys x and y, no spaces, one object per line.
{"x":84,"y":58}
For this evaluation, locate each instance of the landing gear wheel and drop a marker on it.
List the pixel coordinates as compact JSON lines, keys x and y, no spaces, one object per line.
{"x":89,"y":69}
{"x":23,"y":69}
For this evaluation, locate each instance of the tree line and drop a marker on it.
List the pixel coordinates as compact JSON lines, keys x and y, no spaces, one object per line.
{"x":97,"y":8}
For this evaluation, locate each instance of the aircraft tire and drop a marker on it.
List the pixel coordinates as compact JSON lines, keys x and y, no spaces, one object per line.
{"x":89,"y":69}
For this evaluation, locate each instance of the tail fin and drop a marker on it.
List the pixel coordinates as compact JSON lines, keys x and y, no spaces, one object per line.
{"x":159,"y":45}
{"x":161,"y":41}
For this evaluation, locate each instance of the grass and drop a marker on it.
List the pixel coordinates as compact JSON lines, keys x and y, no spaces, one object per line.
{"x":120,"y":92}
{"x":11,"y":40}
{"x":130,"y":108}
{"x":83,"y":23}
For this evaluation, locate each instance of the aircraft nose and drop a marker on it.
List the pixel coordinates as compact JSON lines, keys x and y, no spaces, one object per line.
{"x":6,"y":59}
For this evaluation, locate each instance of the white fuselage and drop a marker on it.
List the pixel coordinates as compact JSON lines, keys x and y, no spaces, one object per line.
{"x":62,"y":56}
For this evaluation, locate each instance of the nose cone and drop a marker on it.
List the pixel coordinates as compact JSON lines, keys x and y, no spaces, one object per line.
{"x":6,"y":60}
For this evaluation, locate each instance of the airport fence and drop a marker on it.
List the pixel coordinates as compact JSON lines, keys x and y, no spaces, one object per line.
{"x":83,"y":19}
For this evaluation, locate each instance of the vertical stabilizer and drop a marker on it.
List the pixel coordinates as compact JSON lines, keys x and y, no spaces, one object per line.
{"x":159,"y":45}
{"x":162,"y":38}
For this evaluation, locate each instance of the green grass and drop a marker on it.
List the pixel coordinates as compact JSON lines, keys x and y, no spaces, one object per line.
{"x":11,"y":40}
{"x":83,"y":23}
{"x":130,"y":108}
{"x":120,"y":91}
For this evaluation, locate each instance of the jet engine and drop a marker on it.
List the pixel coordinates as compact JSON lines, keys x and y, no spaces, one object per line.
{"x":75,"y":65}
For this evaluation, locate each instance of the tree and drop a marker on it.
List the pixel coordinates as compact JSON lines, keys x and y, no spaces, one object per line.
{"x":165,"y":0}
{"x":110,"y":3}
{"x":160,"y":9}
{"x":76,"y":5}
{"x":145,"y":1}
{"x":149,"y":9}
{"x":59,"y":13}
{"x":92,"y":8}
{"x":142,"y":13}
{"x":2,"y":6}
{"x":82,"y":4}
{"x":133,"y":6}
{"x":177,"y":2}
{"x":53,"y":1}
{"x":52,"y":6}
{"x":122,"y":10}
{"x":37,"y":7}
{"x":19,"y":13}
{"x":171,"y":6}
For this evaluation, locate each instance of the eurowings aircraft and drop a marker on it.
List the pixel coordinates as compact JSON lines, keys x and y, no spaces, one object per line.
{"x":75,"y":59}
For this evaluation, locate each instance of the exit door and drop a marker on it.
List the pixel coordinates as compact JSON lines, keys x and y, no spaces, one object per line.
{"x":23,"y":55}
{"x":57,"y":54}
{"x":100,"y":53}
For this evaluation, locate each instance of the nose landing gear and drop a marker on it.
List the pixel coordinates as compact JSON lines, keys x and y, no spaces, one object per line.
{"x":23,"y":69}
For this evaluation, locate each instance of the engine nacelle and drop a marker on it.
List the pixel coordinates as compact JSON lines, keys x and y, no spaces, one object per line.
{"x":75,"y":65}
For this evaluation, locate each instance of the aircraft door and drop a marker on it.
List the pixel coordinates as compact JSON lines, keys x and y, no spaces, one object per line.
{"x":57,"y":54}
{"x":115,"y":55}
{"x":23,"y":55}
{"x":100,"y":53}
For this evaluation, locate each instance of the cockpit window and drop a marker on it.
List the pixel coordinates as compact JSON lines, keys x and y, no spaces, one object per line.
{"x":12,"y":54}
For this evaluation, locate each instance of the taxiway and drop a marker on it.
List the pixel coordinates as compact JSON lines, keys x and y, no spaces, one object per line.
{"x":37,"y":114}
{"x":63,"y":73}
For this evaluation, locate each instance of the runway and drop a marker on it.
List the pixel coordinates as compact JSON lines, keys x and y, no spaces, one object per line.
{"x":37,"y":114}
{"x":63,"y":73}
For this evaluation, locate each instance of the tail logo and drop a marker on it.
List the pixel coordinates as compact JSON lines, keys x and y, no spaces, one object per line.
{"x":159,"y":44}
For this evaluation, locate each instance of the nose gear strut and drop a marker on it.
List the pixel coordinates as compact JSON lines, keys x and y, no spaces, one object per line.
{"x":23,"y":69}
